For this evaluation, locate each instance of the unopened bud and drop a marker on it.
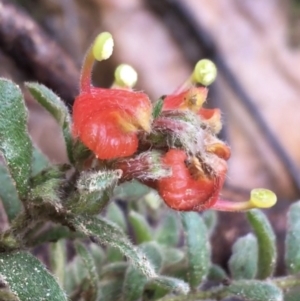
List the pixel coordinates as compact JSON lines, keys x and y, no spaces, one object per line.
{"x":145,"y":166}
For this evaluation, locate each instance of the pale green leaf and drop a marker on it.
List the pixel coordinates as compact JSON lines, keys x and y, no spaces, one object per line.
{"x":292,"y":241}
{"x":198,"y":247}
{"x":91,"y":290}
{"x":267,"y":252}
{"x":243,"y":261}
{"x":9,"y":194}
{"x":28,"y":278}
{"x":15,"y":144}
{"x":55,"y":106}
{"x":254,"y":290}
{"x":140,"y":226}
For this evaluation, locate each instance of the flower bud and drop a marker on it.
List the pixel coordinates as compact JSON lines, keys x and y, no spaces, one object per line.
{"x":144,"y":167}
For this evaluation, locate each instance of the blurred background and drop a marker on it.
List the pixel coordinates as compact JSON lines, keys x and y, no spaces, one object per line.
{"x":255,"y":44}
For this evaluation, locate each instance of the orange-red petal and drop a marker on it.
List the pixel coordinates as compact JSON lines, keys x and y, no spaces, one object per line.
{"x":182,"y":192}
{"x":191,"y":99}
{"x":108,"y":141}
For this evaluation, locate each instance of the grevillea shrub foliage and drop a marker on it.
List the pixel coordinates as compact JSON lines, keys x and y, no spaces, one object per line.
{"x":150,"y":156}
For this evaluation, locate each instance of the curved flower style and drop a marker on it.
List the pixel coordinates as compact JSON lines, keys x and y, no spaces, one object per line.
{"x":107,"y":120}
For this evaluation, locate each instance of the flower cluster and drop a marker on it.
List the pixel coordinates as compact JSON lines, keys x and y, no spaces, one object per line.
{"x":171,"y":145}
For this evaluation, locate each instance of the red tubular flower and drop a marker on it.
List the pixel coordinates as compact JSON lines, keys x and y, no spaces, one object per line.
{"x":191,"y":99}
{"x":107,"y":120}
{"x":193,"y":186}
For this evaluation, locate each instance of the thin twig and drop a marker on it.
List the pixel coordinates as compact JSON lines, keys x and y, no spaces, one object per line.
{"x":34,"y":51}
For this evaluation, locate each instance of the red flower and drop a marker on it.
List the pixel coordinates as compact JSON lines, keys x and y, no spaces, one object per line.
{"x":193,"y":185}
{"x":193,"y":99}
{"x":107,"y":121}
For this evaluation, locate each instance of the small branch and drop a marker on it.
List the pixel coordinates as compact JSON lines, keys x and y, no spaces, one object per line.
{"x":37,"y":53}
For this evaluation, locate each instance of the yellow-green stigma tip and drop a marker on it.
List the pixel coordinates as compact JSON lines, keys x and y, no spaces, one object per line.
{"x":205,"y":72}
{"x":103,"y":46}
{"x":125,"y":76}
{"x":263,"y":198}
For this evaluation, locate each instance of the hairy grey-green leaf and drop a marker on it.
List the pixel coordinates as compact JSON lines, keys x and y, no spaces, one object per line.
{"x":154,"y":291}
{"x":154,"y":253}
{"x":168,"y":232}
{"x":134,"y":283}
{"x":198,"y":247}
{"x":210,"y":218}
{"x":174,"y":285}
{"x":28,"y":278}
{"x":56,"y":107}
{"x":243,"y":261}
{"x":95,"y":190}
{"x":9,"y":194}
{"x":58,"y":260}
{"x":98,"y":255}
{"x":110,"y":289}
{"x":216,"y":273}
{"x":114,"y":254}
{"x":134,"y":280}
{"x":113,"y":270}
{"x":110,"y":234}
{"x":74,"y":275}
{"x":92,"y":289}
{"x":140,"y":226}
{"x":255,"y":290}
{"x":116,"y":215}
{"x":292,"y":241}
{"x":132,"y":190}
{"x":15,"y":144}
{"x":39,"y":162}
{"x":171,"y":256}
{"x":53,"y":234}
{"x":47,"y":192}
{"x":267,"y":252}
